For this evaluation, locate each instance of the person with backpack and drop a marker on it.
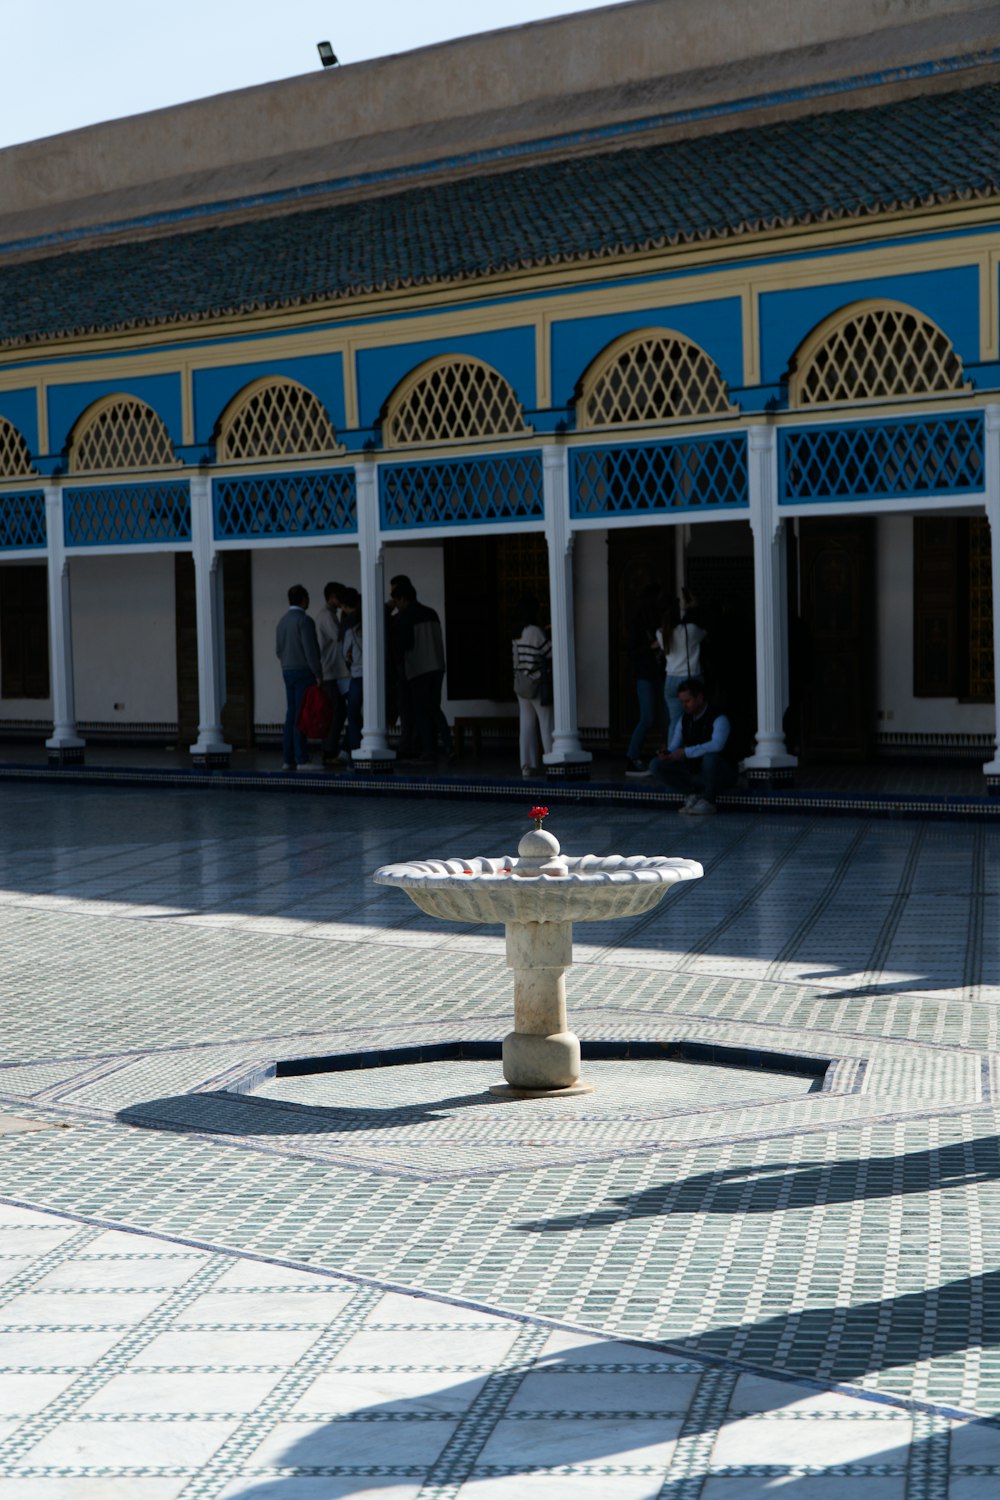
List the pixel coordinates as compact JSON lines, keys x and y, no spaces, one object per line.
{"x":532,"y":660}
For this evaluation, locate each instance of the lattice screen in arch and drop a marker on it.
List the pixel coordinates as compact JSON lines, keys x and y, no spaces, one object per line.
{"x":875,"y":352}
{"x":15,"y":460}
{"x":120,"y":433}
{"x":452,"y":398}
{"x":276,"y":419}
{"x":648,"y":377}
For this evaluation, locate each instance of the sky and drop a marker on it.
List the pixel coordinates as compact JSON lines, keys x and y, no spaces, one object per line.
{"x":69,"y":63}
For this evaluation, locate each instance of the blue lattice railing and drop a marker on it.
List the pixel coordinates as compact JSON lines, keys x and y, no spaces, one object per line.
{"x":117,"y":514}
{"x":685,"y":474}
{"x":22,"y":521}
{"x":461,"y":491}
{"x":883,"y":460}
{"x":315,"y":504}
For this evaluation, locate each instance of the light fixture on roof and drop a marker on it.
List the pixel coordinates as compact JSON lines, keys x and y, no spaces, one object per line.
{"x":327,"y":56}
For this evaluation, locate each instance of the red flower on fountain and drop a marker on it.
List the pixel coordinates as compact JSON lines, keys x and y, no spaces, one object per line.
{"x":538,"y":813}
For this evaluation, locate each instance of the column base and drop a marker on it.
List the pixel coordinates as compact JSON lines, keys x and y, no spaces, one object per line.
{"x":568,"y":765}
{"x":65,"y":755}
{"x":211,"y":760}
{"x":373,"y":762}
{"x":766,"y":776}
{"x":770,"y":768}
{"x":210,"y":751}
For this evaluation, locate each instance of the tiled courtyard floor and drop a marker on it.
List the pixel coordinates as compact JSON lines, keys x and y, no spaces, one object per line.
{"x":389,"y":1282}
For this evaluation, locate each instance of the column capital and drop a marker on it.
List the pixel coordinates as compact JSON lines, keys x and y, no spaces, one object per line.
{"x":762,"y":438}
{"x":991,"y":417}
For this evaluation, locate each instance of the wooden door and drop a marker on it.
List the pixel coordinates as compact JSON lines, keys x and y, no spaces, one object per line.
{"x":237,"y":712}
{"x":837,"y":571}
{"x":637,"y":557}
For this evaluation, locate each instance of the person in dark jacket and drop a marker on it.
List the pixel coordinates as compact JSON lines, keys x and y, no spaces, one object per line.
{"x":419,"y":646}
{"x":298,"y":652}
{"x":695,"y":761}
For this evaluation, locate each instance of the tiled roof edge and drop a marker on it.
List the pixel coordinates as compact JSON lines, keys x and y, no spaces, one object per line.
{"x":528,"y":263}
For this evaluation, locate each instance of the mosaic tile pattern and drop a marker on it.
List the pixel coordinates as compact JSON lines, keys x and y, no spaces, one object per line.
{"x":848,"y":1236}
{"x":136,"y":1366}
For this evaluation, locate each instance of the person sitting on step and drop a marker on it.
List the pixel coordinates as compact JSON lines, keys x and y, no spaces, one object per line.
{"x":695,"y":761}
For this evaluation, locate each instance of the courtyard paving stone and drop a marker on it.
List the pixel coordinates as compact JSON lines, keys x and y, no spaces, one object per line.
{"x":387,"y":1282}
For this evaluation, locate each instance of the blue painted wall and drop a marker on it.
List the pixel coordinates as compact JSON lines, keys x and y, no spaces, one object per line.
{"x":323,"y":374}
{"x":67,"y":402}
{"x":716,"y":326}
{"x":511,"y":351}
{"x":950,"y":298}
{"x":21,"y":409}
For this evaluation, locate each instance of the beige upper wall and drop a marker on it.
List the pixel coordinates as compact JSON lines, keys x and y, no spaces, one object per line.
{"x":621,"y":62}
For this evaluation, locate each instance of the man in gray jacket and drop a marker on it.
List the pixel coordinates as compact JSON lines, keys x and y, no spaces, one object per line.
{"x":298,"y":652}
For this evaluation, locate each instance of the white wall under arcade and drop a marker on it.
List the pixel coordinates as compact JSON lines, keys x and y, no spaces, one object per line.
{"x":124,"y":639}
{"x":273,"y":572}
{"x":899,"y":712}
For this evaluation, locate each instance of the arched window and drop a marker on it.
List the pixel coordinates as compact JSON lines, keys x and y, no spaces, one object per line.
{"x":650,"y":376}
{"x":275,"y":419}
{"x":449,"y":398}
{"x":15,"y":460}
{"x":119,"y":432}
{"x":873,"y":350}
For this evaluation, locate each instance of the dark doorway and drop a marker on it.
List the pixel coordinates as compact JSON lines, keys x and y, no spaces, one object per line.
{"x":24,"y":631}
{"x":637,"y":557}
{"x":723,"y":584}
{"x":837,"y":619}
{"x":237,"y":712}
{"x":952,"y":608}
{"x":484,"y":580}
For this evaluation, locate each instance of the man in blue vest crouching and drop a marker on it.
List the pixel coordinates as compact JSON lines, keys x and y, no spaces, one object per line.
{"x":695,"y":760}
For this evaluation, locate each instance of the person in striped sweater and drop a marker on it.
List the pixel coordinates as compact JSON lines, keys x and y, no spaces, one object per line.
{"x":532,"y":662}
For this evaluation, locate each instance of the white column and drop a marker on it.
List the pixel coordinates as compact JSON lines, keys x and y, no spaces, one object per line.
{"x":210,"y":748}
{"x":770,"y":760}
{"x":566,"y":757}
{"x":65,"y":745}
{"x":992,"y":768}
{"x":374,"y":756}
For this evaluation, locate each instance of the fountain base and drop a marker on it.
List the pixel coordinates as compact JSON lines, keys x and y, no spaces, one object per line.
{"x":509,"y":1091}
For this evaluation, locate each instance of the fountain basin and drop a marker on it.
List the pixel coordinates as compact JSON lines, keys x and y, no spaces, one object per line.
{"x":592,"y":889}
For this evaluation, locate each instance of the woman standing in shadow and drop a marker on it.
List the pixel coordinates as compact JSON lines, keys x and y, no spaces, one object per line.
{"x":532,"y":660}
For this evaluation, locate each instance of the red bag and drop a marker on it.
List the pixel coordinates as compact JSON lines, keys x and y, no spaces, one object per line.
{"x":316,"y":713}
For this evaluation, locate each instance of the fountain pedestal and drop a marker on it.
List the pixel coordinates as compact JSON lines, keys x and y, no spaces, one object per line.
{"x":541,"y":1054}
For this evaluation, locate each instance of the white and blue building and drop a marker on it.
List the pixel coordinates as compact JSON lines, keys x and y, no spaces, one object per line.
{"x":629,"y":296}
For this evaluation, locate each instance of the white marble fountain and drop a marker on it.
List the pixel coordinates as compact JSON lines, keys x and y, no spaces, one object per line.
{"x":538,"y":896}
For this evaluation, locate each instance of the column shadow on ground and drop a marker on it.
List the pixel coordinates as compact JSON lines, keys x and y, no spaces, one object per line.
{"x":417,"y":1439}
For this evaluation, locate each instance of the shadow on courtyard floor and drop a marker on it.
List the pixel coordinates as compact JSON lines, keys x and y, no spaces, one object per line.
{"x":496,"y":1430}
